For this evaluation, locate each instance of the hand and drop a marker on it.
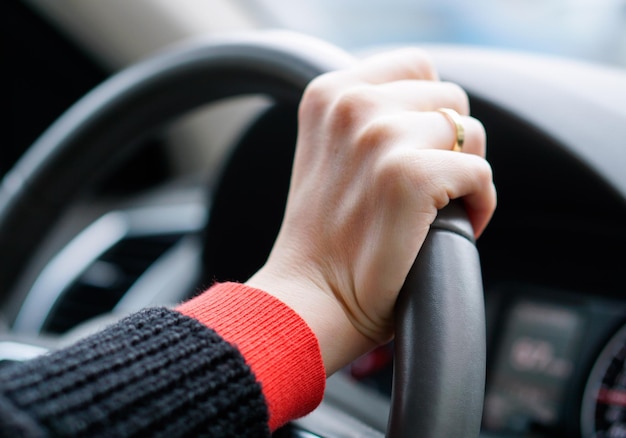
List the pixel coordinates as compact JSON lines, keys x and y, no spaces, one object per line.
{"x":373,"y":165}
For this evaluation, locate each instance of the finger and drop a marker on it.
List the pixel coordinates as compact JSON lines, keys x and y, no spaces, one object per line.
{"x":424,"y":95}
{"x":480,"y":211}
{"x":469,"y":177}
{"x":396,"y":65}
{"x":422,"y":130}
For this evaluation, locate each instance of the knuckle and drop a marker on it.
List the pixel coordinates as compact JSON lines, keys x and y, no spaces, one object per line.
{"x":318,"y":94}
{"x":476,"y":137}
{"x":485,"y":173}
{"x":375,"y":133}
{"x":351,"y":106}
{"x":480,"y":173}
{"x":394,"y":176}
{"x":420,"y":62}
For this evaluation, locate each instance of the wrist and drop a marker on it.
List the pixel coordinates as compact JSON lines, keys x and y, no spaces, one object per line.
{"x":339,"y":340}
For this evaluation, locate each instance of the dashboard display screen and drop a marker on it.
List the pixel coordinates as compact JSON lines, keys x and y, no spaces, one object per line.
{"x":534,"y":361}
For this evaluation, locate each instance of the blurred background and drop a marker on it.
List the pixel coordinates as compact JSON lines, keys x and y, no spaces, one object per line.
{"x":588,"y":29}
{"x":53,"y":51}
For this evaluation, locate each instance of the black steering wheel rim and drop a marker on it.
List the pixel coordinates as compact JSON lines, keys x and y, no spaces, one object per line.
{"x":442,"y":299}
{"x":103,"y":127}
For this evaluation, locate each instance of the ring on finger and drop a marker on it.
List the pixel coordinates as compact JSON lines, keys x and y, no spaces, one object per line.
{"x":455,"y":118}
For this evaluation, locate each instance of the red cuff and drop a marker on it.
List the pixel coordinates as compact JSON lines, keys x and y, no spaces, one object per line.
{"x":279,"y":346}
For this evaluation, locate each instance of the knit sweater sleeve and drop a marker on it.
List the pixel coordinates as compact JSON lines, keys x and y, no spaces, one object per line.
{"x":156,"y":373}
{"x":279,"y":346}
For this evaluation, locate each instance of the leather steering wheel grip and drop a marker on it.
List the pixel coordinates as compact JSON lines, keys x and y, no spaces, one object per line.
{"x":440,"y":352}
{"x":440,"y":338}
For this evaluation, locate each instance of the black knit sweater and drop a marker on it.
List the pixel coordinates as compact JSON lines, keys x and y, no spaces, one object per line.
{"x":155,"y":373}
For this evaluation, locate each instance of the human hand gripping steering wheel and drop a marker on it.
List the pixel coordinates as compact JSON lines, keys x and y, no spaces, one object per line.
{"x":374,"y":164}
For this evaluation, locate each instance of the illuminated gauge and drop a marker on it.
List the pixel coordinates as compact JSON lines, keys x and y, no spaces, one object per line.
{"x":603,"y":412}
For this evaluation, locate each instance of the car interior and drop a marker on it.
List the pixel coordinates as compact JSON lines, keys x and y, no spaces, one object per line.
{"x":169,"y":123}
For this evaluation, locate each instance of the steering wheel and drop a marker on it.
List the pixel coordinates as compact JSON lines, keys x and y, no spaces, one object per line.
{"x":439,"y":367}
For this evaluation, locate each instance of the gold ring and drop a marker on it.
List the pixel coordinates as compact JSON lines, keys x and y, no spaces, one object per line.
{"x":455,"y":118}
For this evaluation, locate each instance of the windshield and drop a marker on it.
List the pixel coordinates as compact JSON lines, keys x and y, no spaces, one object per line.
{"x":588,"y":29}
